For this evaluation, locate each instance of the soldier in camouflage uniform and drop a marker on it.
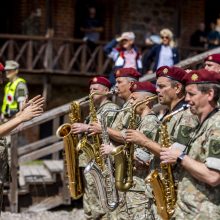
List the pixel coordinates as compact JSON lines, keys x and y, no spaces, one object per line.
{"x":125,"y":77}
{"x":137,"y":202}
{"x":91,"y":203}
{"x":181,"y":126}
{"x":199,"y":188}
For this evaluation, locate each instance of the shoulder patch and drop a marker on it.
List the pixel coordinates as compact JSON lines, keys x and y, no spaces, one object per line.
{"x":214,"y":148}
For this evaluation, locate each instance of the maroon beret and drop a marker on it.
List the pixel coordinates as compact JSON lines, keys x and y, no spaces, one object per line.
{"x":213,"y":58}
{"x":143,"y":87}
{"x":127,"y":72}
{"x":100,"y":80}
{"x":174,"y":73}
{"x":2,"y":68}
{"x":201,"y":76}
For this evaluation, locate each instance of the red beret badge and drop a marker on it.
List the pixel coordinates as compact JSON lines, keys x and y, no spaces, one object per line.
{"x":210,"y":58}
{"x":165,"y":71}
{"x":194,"y":77}
{"x":95,"y":79}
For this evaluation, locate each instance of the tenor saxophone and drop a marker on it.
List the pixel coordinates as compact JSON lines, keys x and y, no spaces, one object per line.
{"x":124,"y":154}
{"x":164,"y":189}
{"x":71,"y":155}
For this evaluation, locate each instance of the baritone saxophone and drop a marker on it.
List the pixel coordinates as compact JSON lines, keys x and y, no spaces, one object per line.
{"x":71,"y":154}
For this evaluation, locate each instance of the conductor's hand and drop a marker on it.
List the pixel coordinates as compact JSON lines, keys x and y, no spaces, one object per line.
{"x":78,"y":128}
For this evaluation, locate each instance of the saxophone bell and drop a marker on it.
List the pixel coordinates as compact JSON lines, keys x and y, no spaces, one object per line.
{"x":64,"y":130}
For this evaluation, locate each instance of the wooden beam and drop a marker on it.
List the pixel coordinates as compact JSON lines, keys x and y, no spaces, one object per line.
{"x":41,"y":153}
{"x":13,"y":195}
{"x":38,"y":144}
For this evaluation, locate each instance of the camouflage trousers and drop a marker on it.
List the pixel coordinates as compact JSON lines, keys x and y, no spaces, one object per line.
{"x":91,"y":203}
{"x":3,"y":167}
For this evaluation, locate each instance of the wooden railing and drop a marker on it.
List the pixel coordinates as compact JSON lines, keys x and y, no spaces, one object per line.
{"x":54,"y":55}
{"x":189,"y":63}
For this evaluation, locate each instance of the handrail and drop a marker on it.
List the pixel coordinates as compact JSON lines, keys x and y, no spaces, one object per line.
{"x":47,"y":116}
{"x":185,"y":63}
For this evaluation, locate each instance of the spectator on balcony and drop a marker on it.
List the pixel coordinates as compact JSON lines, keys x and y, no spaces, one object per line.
{"x":124,"y":53}
{"x":92,"y":28}
{"x":31,"y":25}
{"x":199,"y":37}
{"x":15,"y":91}
{"x":164,"y":54}
{"x":213,"y":37}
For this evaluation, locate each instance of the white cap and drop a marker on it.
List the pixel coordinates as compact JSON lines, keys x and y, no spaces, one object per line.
{"x":11,"y":65}
{"x":126,"y":36}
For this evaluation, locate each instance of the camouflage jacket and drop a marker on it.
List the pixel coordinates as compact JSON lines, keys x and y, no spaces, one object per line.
{"x":122,"y":118}
{"x":83,"y":160}
{"x":148,"y":125}
{"x":198,"y":200}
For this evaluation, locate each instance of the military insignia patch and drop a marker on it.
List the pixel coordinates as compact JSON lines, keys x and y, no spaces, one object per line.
{"x":165,"y":71}
{"x":214,"y":149}
{"x":194,"y":77}
{"x":95,"y":79}
{"x":210,"y":58}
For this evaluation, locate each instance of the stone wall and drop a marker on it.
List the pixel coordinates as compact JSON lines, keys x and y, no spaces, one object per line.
{"x":140,"y":16}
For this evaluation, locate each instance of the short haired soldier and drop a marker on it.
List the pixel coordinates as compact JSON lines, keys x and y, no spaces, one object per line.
{"x":15,"y":91}
{"x":198,"y":191}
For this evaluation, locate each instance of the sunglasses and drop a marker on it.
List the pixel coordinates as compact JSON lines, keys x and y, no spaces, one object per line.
{"x":164,"y":37}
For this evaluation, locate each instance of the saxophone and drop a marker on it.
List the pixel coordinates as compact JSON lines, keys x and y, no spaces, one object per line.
{"x":164,"y":189}
{"x":124,"y":155}
{"x":101,"y":168}
{"x":92,"y":148}
{"x":71,"y":154}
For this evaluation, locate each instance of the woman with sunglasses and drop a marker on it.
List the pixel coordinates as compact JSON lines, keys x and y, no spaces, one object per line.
{"x":162,"y":54}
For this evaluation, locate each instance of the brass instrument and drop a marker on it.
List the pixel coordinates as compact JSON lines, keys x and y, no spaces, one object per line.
{"x":101,"y":168}
{"x":124,"y":155}
{"x":71,"y":155}
{"x":92,"y":148}
{"x":164,"y":189}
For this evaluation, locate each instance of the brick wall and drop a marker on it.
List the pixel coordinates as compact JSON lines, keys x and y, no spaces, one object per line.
{"x":192,"y":13}
{"x":181,"y":16}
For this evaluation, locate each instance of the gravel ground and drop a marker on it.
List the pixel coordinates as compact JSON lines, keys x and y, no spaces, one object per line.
{"x":75,"y":214}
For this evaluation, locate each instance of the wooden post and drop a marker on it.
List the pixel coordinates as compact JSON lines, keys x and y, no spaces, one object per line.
{"x":10,"y":50}
{"x":30,"y":55}
{"x":47,"y":87}
{"x":56,"y":123}
{"x":14,"y":174}
{"x":83,"y":59}
{"x":100,"y":60}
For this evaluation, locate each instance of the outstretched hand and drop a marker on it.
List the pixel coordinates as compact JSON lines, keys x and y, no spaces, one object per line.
{"x":30,"y":112}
